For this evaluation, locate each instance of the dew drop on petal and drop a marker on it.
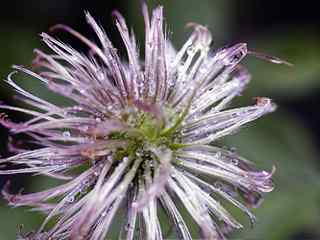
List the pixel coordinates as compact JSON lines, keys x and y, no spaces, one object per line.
{"x":218,"y":155}
{"x":191,"y":50}
{"x":104,"y":213}
{"x":71,"y":199}
{"x":66,"y":134}
{"x":218,"y":185}
{"x":235,"y":161}
{"x":85,"y":128}
{"x":181,"y":69}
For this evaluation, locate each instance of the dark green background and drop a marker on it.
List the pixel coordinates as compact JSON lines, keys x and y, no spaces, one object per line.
{"x":288,"y":138}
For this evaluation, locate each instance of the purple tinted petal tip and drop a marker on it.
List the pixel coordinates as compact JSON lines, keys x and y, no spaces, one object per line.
{"x":6,"y":122}
{"x":59,"y":27}
{"x":266,"y":103}
{"x":233,"y":55}
{"x":11,"y":198}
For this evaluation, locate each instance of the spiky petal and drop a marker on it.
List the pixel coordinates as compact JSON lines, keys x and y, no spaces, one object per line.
{"x":142,"y":133}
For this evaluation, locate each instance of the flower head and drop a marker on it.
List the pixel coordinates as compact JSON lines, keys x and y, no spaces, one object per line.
{"x":142,"y":134}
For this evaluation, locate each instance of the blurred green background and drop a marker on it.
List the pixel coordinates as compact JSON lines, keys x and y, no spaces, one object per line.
{"x":288,"y":138}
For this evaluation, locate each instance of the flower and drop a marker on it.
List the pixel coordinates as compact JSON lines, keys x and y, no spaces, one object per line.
{"x":142,"y":135}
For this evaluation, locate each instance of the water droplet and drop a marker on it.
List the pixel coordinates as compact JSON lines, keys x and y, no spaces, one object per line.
{"x":84,"y":186}
{"x":202,"y":70}
{"x":104,"y":213}
{"x":77,"y":108}
{"x":234,"y":55}
{"x":191,"y":50}
{"x":233,"y":149}
{"x":84,"y":128}
{"x":235,"y":161}
{"x":100,"y":74}
{"x":151,"y":164}
{"x":217,"y":155}
{"x":71,"y":199}
{"x":66,"y":134}
{"x":218,"y":185}
{"x":181,"y":69}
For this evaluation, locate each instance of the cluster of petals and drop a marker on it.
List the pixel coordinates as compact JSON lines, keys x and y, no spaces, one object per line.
{"x":184,"y":95}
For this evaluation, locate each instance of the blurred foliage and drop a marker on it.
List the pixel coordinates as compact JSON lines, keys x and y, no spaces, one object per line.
{"x":280,"y":139}
{"x":178,"y":15}
{"x":17,"y":49}
{"x":301,"y":48}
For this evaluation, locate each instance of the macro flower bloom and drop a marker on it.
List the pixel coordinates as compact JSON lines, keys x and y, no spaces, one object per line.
{"x":136,"y":137}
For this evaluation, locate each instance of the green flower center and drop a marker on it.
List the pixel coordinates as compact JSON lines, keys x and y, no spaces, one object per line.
{"x":146,"y":130}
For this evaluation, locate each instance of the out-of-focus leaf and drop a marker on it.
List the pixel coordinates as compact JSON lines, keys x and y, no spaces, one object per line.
{"x":282,"y":141}
{"x":17,"y":46}
{"x":22,"y":216}
{"x":12,"y":219}
{"x":284,"y":214}
{"x":18,"y":50}
{"x":300,"y":48}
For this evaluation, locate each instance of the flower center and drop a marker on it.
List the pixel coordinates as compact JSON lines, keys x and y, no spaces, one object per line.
{"x":146,"y":129}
